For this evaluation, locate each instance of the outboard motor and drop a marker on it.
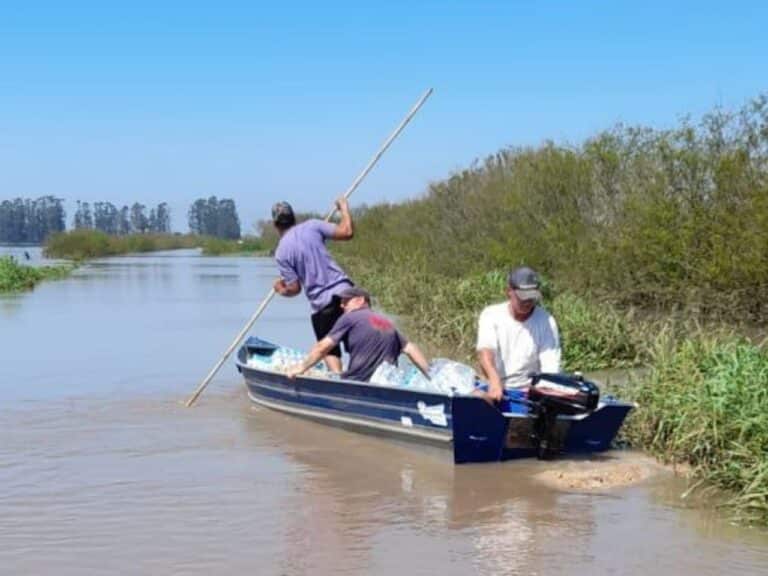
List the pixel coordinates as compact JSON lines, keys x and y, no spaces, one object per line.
{"x":551,"y":395}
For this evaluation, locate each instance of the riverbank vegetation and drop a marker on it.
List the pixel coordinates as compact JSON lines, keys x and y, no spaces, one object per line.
{"x":86,"y":243}
{"x":704,"y":404}
{"x":83,"y":244}
{"x":648,"y":239}
{"x":16,"y":277}
{"x":249,"y":245}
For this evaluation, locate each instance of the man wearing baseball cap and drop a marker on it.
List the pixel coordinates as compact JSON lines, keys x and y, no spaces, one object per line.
{"x":517,"y":337}
{"x":368,"y":337}
{"x":303,"y":261}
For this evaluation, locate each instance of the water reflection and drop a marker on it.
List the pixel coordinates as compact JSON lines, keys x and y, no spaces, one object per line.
{"x":372,"y":505}
{"x":358,"y":492}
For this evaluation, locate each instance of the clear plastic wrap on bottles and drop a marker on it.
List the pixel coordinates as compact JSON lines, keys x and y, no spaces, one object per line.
{"x":387,"y":374}
{"x":284,"y":358}
{"x":450,"y":377}
{"x":445,"y":376}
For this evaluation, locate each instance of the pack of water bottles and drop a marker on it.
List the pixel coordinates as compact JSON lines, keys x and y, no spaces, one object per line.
{"x":282,"y":359}
{"x":445,"y":377}
{"x":452,"y":377}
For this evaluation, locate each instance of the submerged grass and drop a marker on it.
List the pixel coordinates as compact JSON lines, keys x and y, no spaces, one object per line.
{"x":704,"y":402}
{"x":15,"y":277}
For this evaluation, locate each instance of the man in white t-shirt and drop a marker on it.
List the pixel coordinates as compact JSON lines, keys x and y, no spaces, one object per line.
{"x":517,"y":337}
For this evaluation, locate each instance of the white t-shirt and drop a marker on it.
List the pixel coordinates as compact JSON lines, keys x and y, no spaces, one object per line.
{"x":519,"y":347}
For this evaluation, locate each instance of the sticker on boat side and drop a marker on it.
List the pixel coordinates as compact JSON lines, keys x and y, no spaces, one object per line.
{"x":434,"y":414}
{"x":406,"y":421}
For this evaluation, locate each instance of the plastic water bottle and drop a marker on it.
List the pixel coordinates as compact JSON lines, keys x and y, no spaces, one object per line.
{"x":387,"y":374}
{"x":452,"y":377}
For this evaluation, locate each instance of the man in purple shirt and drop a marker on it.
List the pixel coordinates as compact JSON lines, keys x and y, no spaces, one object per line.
{"x":369,"y":338}
{"x":303,"y":261}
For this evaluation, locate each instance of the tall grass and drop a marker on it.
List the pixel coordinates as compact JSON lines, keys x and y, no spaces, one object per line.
{"x":16,"y":277}
{"x":705,"y":403}
{"x":442,"y":312}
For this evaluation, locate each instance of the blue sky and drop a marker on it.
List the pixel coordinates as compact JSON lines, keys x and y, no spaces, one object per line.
{"x":172,"y":101}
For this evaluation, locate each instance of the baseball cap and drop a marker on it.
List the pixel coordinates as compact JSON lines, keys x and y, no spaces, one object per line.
{"x":282,"y":213}
{"x":525,"y":282}
{"x":354,"y":292}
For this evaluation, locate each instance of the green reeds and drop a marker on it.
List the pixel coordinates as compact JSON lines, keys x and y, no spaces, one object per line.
{"x":704,"y":402}
{"x":596,"y":335}
{"x":16,"y":277}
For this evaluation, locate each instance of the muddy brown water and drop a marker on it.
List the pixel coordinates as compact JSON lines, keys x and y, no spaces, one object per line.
{"x":104,"y":471}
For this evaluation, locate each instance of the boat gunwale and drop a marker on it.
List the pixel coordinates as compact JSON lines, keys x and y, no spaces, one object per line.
{"x":364,"y":385}
{"x":355,"y":383}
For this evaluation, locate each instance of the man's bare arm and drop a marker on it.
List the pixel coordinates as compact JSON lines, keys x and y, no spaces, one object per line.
{"x":414,"y":353}
{"x":319,"y":350}
{"x":487,"y":360}
{"x":344,"y":229}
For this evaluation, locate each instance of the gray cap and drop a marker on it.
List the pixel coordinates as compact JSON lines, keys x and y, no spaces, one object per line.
{"x":525,"y":282}
{"x":282,"y":214}
{"x":354,"y":292}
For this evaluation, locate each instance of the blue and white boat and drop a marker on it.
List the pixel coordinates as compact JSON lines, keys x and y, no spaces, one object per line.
{"x":521,"y":425}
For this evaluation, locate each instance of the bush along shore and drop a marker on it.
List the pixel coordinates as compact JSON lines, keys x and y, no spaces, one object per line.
{"x":649,"y":239}
{"x":15,"y":277}
{"x":82,"y":244}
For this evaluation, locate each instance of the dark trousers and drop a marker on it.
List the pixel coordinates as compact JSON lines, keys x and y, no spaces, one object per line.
{"x":324,"y":319}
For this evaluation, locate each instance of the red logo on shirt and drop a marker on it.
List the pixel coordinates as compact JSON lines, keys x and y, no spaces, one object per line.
{"x":380,"y":323}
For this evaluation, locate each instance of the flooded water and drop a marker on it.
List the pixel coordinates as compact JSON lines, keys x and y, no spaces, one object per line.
{"x":104,"y":471}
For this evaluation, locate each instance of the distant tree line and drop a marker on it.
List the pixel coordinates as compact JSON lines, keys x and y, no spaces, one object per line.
{"x":214,"y":217}
{"x":134,"y":220}
{"x":26,"y":220}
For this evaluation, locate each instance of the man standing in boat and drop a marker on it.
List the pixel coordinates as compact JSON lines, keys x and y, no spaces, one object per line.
{"x":517,"y":337}
{"x":303,"y":261}
{"x":369,"y":338}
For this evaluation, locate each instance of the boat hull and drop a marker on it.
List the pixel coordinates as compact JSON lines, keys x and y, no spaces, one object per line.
{"x":474,"y":430}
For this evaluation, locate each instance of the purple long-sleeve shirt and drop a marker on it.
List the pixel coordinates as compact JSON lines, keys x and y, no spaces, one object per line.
{"x":303,"y":257}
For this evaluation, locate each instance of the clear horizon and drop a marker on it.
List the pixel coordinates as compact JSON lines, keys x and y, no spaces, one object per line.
{"x":177,"y":101}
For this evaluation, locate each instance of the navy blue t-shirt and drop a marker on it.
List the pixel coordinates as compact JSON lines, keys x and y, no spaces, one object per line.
{"x":370,"y":339}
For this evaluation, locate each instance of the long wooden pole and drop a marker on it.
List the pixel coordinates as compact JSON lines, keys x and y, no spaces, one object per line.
{"x":272,"y":292}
